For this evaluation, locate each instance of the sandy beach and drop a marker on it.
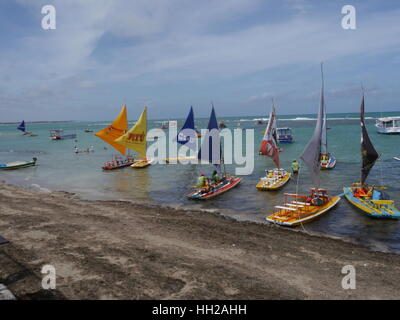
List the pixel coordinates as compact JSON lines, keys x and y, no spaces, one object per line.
{"x":119,"y":250}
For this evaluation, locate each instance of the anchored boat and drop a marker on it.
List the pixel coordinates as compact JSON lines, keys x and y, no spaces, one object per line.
{"x":136,"y":140}
{"x":18,"y":164}
{"x":328,"y":161}
{"x":58,"y":134}
{"x":371,"y":200}
{"x":299,"y":209}
{"x":278,"y":177}
{"x":228,"y":182}
{"x":388,"y":125}
{"x":284,"y":135}
{"x":210,"y":151}
{"x":115,"y":130}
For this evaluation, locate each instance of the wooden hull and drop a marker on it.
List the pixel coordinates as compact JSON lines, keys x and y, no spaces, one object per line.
{"x":374,"y":209}
{"x":230,"y":183}
{"x":301,"y":215}
{"x":266,"y":184}
{"x":138,"y":164}
{"x":18,"y":166}
{"x":117,"y":167}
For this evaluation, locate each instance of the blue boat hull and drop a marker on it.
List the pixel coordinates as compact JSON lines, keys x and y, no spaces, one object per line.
{"x":367,"y":207}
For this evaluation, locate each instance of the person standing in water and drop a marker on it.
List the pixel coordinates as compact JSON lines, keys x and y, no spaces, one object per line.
{"x":295,"y":166}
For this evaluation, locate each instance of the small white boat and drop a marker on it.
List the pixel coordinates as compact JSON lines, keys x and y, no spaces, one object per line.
{"x":388,"y":125}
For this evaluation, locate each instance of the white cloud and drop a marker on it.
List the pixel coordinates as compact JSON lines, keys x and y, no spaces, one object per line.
{"x":175,"y":40}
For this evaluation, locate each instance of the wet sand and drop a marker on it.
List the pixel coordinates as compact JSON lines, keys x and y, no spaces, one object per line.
{"x":119,"y":250}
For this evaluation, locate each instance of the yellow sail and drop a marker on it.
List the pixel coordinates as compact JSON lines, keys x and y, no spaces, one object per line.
{"x":135,"y":138}
{"x":115,"y":130}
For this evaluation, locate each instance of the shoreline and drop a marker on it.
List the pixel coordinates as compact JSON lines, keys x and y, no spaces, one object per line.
{"x":120,"y":250}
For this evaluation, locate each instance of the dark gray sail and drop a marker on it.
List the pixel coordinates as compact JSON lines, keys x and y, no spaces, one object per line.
{"x":311,"y":154}
{"x":368,"y":152}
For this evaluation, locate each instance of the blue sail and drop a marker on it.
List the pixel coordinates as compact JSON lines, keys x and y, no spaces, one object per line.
{"x":211,"y":147}
{"x":21,"y":126}
{"x":187,"y":135}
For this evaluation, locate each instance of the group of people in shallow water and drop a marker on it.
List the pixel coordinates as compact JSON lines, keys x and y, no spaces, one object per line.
{"x":90,"y":149}
{"x":206,"y":183}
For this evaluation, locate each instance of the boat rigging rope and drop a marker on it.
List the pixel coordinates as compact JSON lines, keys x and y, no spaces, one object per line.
{"x":297,"y":192}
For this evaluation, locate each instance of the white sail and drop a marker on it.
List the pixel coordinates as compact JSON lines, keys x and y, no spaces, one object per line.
{"x":324,"y":137}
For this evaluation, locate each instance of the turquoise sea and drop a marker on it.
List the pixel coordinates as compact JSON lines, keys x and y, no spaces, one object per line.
{"x":59,"y":168}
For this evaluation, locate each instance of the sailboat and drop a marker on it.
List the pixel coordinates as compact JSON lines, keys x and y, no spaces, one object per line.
{"x":112,"y":132}
{"x":210,"y":151}
{"x":278,"y":177}
{"x":187,"y":136}
{"x":136,"y":140}
{"x":328,"y":161}
{"x":371,"y":200}
{"x":22,"y":128}
{"x":299,"y":209}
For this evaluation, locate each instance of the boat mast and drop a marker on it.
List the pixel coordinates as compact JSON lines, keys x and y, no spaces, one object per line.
{"x":324,"y":136}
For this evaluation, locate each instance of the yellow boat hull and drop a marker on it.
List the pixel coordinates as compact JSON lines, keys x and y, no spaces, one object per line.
{"x":302,"y":215}
{"x":140,"y":164}
{"x":273,"y":185}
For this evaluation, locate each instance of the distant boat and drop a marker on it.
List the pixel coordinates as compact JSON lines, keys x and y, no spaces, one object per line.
{"x":22,"y":128}
{"x":371,"y":200}
{"x":328,"y":161}
{"x":222,"y":124}
{"x":88,"y":130}
{"x":58,"y":134}
{"x":18,"y":164}
{"x":284,"y":135}
{"x":388,"y":125}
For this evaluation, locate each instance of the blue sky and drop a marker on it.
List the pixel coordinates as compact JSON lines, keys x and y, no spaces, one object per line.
{"x":170,"y":54}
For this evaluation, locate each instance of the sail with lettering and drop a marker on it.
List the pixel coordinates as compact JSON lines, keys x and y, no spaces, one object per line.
{"x":269,"y":144}
{"x":115,"y":130}
{"x":368,"y":152}
{"x":135,"y":138}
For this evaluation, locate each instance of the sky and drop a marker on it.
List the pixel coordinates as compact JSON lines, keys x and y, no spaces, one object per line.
{"x":170,"y":54}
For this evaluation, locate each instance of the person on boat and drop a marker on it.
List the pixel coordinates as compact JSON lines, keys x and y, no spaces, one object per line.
{"x":295,"y":166}
{"x":202,"y":181}
{"x":215,"y":177}
{"x":76,"y":149}
{"x":360,"y":192}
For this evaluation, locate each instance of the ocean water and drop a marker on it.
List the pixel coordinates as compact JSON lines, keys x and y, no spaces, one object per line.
{"x":59,"y":168}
